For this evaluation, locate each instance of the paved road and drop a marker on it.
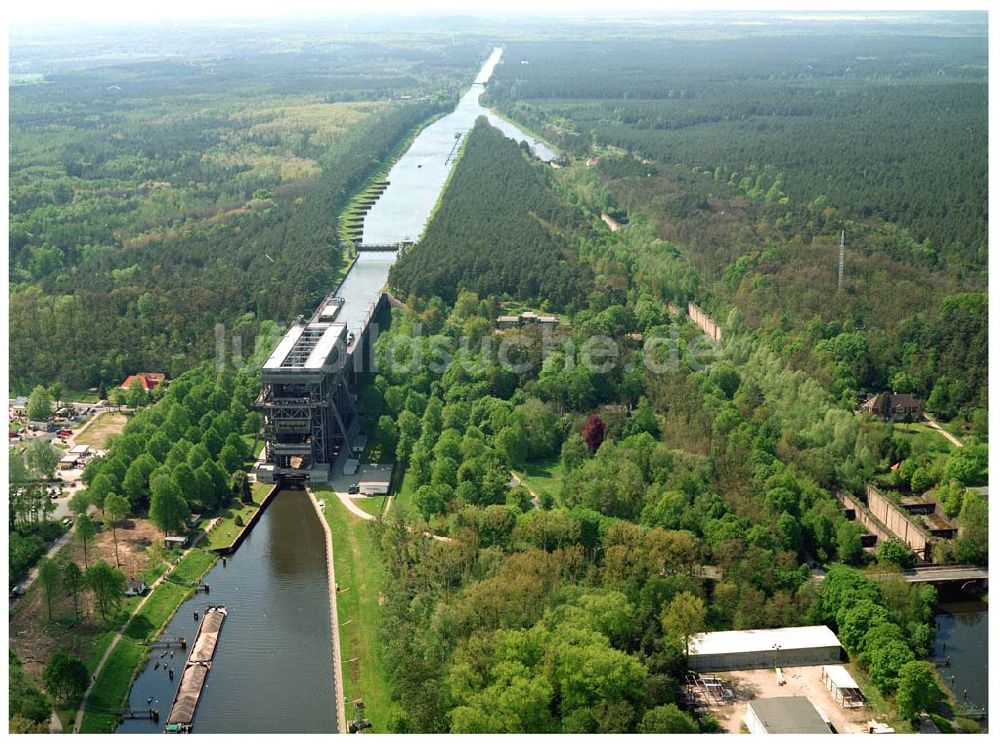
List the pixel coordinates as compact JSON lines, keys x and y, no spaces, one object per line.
{"x":947,"y":435}
{"x":58,"y":545}
{"x":945,"y":573}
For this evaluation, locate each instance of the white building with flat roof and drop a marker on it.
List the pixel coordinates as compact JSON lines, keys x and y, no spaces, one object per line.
{"x":811,"y":645}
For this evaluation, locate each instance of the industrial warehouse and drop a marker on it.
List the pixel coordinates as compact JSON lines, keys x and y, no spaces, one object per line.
{"x":761,"y":649}
{"x":784,"y":715}
{"x":775,"y":680}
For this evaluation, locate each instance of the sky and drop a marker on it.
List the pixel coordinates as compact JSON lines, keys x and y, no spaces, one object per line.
{"x":63,"y":10}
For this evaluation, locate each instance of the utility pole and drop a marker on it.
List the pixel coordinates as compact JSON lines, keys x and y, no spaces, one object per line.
{"x":840,"y":264}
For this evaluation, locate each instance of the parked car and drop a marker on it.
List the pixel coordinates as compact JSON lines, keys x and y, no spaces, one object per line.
{"x":64,"y":432}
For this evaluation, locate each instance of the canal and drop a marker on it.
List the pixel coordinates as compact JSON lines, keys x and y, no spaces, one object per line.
{"x":962,"y":636}
{"x":417,"y":178}
{"x":273,"y":668}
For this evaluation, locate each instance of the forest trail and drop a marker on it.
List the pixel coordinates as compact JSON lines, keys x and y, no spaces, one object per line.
{"x":940,"y":430}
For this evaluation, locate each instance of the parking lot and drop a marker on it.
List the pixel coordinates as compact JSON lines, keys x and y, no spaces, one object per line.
{"x":67,"y":481}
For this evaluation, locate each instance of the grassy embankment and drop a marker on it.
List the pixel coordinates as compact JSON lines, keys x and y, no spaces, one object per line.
{"x":112,"y":687}
{"x":360,"y":576}
{"x":115,"y":681}
{"x":227,"y":529}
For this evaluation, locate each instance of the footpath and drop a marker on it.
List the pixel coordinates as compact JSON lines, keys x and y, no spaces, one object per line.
{"x":78,"y":720}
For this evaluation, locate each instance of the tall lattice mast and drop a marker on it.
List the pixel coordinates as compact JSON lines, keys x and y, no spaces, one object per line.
{"x":840,"y":264}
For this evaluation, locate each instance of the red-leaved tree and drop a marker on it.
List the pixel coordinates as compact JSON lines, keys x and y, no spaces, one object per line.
{"x":593,"y":432}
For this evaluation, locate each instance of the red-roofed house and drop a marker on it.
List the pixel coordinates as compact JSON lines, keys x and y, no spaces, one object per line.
{"x":148,"y":380}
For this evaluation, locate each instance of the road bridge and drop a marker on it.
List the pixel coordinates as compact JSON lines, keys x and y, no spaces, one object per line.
{"x":941,"y":575}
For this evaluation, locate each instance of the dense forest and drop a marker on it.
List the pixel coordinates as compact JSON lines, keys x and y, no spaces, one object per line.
{"x":566,"y":608}
{"x":752,"y":163}
{"x":499,"y":230}
{"x":150,"y":201}
{"x":888,"y":126}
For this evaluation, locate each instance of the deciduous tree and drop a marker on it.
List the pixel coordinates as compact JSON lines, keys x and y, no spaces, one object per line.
{"x":74,"y":583}
{"x":918,"y":689}
{"x":65,"y":676}
{"x":593,"y":432}
{"x":682,"y":618}
{"x":50,"y":578}
{"x":167,"y":508}
{"x":667,"y":719}
{"x":108,"y":584}
{"x":85,"y":531}
{"x":115,"y":508}
{"x":39,"y":404}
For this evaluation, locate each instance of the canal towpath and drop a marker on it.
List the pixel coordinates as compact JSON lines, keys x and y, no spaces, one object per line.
{"x":78,"y":720}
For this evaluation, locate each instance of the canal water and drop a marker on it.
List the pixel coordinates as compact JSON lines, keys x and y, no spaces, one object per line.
{"x":273,"y":667}
{"x":962,"y":634}
{"x":417,"y":178}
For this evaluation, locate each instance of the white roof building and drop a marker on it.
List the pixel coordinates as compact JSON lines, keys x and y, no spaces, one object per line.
{"x":842,"y":686}
{"x":811,"y":645}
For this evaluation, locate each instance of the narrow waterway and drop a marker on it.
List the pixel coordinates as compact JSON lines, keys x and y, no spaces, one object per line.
{"x":415,"y":185}
{"x":273,"y":668}
{"x":962,"y":642}
{"x":417,"y":178}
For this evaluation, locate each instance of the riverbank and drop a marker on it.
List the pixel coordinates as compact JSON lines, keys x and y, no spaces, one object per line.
{"x":248,"y":514}
{"x":338,"y":674}
{"x":125,"y":658}
{"x":126,"y":652}
{"x":352,"y":210}
{"x":360,"y":577}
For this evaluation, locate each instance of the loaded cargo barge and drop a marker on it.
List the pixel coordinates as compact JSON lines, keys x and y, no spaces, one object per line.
{"x":196,"y":668}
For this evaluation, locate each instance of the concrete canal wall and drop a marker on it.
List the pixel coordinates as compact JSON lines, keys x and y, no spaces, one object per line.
{"x":708,"y":326}
{"x":231,"y":548}
{"x":338,"y":673}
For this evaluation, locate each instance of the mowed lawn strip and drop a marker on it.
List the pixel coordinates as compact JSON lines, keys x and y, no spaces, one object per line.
{"x":160,"y":607}
{"x":360,"y":577}
{"x":112,"y":687}
{"x":371,"y":504}
{"x":543,"y":477}
{"x":193,"y":567}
